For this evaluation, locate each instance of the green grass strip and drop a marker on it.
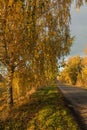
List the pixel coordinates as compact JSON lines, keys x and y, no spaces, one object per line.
{"x":44,"y":111}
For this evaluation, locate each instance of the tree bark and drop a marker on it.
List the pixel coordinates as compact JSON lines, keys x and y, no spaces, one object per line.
{"x":10,"y":88}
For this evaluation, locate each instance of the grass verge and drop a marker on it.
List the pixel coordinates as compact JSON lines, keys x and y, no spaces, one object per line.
{"x":45,"y":110}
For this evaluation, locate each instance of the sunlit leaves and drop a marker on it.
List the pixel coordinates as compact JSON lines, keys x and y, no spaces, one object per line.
{"x":35,"y":35}
{"x":75,"y":71}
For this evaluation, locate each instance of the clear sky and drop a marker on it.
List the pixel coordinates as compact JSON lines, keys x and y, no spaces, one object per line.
{"x":79,"y":30}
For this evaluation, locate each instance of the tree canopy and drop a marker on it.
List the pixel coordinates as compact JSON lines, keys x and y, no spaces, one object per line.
{"x":75,"y":71}
{"x":34,"y":35}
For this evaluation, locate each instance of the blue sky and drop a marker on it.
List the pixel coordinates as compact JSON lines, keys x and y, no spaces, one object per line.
{"x":79,"y":30}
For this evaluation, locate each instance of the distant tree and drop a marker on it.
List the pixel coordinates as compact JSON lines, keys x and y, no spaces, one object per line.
{"x":84,"y":71}
{"x":73,"y":70}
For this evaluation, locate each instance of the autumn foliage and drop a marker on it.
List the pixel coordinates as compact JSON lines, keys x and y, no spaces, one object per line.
{"x":75,"y":71}
{"x":34,"y":35}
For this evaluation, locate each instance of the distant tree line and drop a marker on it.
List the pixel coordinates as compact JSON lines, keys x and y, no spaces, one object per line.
{"x":75,"y":71}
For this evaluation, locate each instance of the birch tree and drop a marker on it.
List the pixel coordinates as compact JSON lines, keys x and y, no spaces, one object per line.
{"x":34,"y":36}
{"x":13,"y":41}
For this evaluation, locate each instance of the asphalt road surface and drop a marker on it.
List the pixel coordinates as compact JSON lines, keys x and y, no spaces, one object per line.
{"x":76,"y":98}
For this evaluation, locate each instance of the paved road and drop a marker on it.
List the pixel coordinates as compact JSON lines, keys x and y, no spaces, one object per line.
{"x":77,"y":98}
